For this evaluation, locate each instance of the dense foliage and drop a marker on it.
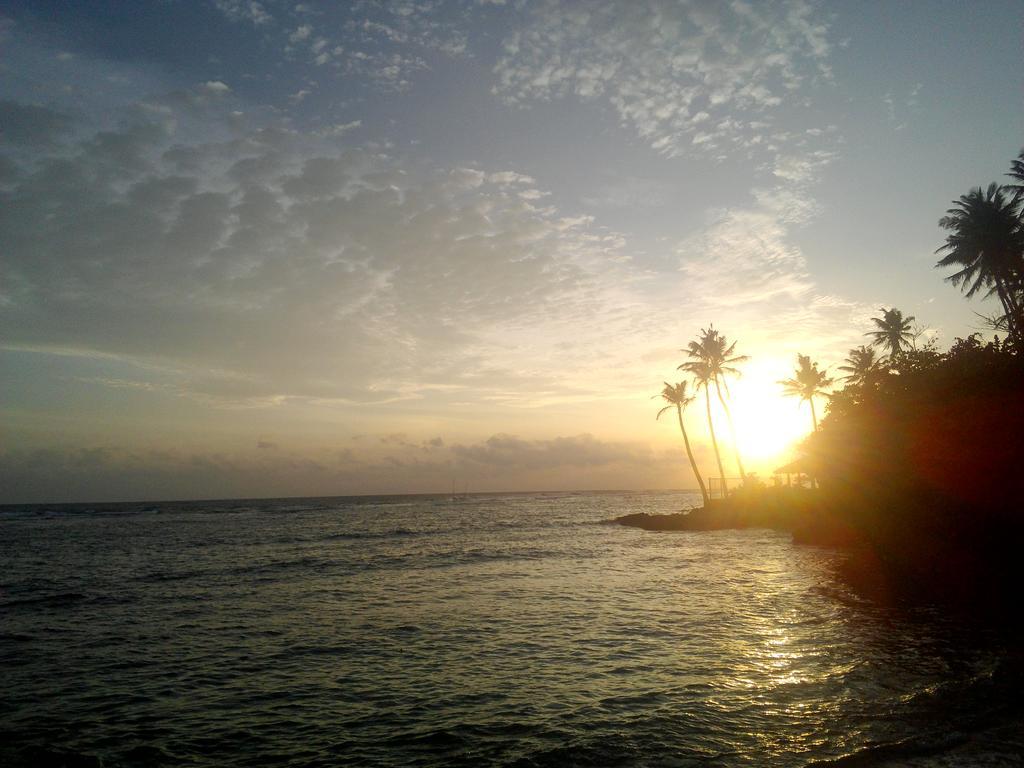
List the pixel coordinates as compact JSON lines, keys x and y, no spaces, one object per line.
{"x":949,"y":422}
{"x":924,"y":460}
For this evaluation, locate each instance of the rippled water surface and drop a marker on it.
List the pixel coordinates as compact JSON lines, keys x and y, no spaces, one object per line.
{"x":512,"y":630}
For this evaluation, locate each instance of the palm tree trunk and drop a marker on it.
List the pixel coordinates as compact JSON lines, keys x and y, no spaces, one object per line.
{"x":714,"y":440}
{"x":814,"y":418}
{"x":1011,"y":307}
{"x":732,"y":431}
{"x":689,"y":455}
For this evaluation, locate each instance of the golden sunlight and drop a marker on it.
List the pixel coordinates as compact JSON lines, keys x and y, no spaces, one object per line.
{"x":768,"y":425}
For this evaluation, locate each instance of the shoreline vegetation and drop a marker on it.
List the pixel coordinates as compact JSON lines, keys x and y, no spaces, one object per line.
{"x":917,"y":467}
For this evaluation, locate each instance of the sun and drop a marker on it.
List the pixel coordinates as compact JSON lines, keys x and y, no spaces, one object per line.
{"x":768,"y":425}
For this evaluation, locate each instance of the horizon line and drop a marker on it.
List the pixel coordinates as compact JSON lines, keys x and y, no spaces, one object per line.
{"x":427,"y":494}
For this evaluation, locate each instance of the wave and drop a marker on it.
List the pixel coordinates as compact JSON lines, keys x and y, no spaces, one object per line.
{"x":358,"y":535}
{"x":16,"y":637}
{"x":302,"y":563}
{"x":171,"y":576}
{"x":879,"y":755}
{"x":60,"y":599}
{"x":45,"y":756}
{"x":988,"y":717}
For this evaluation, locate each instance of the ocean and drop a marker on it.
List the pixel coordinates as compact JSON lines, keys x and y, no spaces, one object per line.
{"x":514,"y":630}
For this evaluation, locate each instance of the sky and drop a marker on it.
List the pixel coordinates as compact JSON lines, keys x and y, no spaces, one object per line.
{"x":259,"y":249}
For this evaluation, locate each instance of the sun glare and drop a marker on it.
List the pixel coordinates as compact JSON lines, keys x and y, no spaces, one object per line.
{"x":768,"y":425}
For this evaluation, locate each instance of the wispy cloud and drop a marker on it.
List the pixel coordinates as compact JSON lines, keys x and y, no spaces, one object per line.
{"x":687,"y":77}
{"x":384,"y":44}
{"x":899,"y":109}
{"x":249,"y":11}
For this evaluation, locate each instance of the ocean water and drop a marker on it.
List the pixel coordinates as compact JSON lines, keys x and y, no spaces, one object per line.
{"x":517,"y":630}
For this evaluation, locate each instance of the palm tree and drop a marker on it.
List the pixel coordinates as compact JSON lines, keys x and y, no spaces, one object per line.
{"x":712,"y":349}
{"x":986,"y":241}
{"x":702,"y":378}
{"x":861,"y":365}
{"x":895,"y":332}
{"x":1017,"y":173}
{"x":807,"y":382}
{"x":676,"y":397}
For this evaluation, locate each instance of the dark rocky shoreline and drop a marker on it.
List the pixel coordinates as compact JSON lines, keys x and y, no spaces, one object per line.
{"x":803,"y":512}
{"x":915,"y":557}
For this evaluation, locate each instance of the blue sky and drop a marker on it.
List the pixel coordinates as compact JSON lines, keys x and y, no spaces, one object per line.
{"x":279,"y":248}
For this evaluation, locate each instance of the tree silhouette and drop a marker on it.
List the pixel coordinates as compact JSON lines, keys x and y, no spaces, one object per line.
{"x":862,"y":364}
{"x":703,"y":378}
{"x":894,"y":331}
{"x":807,"y":382}
{"x":1017,"y":173}
{"x":712,"y":351}
{"x":986,"y":242}
{"x":676,"y":397}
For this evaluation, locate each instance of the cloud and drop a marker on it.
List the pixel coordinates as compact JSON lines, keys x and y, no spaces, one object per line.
{"x":31,"y":125}
{"x":801,"y":169}
{"x":630,"y":193}
{"x":687,"y":77}
{"x":339,"y":129}
{"x":301,"y":33}
{"x":745,"y":267}
{"x":115,"y":474}
{"x":266,"y":264}
{"x":743,"y":260}
{"x":216,"y":86}
{"x":381,"y":44}
{"x":898,"y":111}
{"x":244,"y":10}
{"x":501,"y":462}
{"x":247,"y":261}
{"x":510,"y":178}
{"x":508,"y":452}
